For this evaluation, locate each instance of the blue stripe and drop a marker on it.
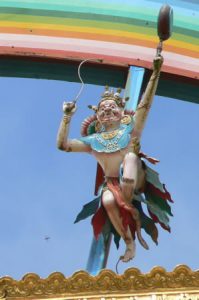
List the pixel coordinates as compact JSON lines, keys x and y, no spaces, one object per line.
{"x":189,"y":5}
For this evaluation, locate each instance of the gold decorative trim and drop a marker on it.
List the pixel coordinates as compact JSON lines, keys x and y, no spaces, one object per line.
{"x":109,"y":135}
{"x":126,"y":119}
{"x":107,"y":282}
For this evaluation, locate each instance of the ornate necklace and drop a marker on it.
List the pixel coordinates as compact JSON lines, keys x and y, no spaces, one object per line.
{"x":110,"y":140}
{"x":109,"y":135}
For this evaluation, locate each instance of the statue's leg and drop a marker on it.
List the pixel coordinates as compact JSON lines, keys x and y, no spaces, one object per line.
{"x":112,"y":210}
{"x":133,"y":175}
{"x":133,"y":179}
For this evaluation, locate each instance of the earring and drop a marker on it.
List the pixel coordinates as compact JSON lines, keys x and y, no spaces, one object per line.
{"x":102,"y":128}
{"x":99,"y":127}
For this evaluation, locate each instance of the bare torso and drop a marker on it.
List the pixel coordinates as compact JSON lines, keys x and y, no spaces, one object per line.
{"x":110,"y":162}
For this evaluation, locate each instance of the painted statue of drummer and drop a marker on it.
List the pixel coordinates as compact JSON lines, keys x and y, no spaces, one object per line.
{"x":112,"y":136}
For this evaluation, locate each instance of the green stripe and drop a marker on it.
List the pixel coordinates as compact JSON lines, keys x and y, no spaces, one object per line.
{"x":57,"y":17}
{"x":78,"y":6}
{"x":141,"y":28}
{"x":185,"y":32}
{"x":70,"y":20}
{"x":79,"y":15}
{"x":186,"y":39}
{"x":101,"y":11}
{"x":78,"y":22}
{"x":81,"y":6}
{"x":149,"y":14}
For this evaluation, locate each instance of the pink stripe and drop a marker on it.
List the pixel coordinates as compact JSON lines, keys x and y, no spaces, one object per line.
{"x":122,"y":52}
{"x":120,"y":61}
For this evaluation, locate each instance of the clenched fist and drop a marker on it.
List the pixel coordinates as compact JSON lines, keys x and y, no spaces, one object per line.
{"x":157,"y":62}
{"x":69,"y":108}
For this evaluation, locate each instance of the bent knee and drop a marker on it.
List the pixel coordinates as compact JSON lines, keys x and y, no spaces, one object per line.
{"x":108,"y":199}
{"x":131,"y":158}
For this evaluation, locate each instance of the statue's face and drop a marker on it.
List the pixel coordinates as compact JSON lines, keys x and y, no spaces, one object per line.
{"x":109,"y":112}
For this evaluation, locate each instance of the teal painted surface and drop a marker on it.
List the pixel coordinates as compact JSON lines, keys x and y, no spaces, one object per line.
{"x":186,"y":12}
{"x":186,"y":90}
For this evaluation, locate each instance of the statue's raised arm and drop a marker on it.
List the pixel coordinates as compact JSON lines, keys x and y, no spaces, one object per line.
{"x":147,"y":99}
{"x":63,"y":143}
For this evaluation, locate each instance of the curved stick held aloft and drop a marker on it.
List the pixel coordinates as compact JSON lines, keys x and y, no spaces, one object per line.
{"x":80,"y":78}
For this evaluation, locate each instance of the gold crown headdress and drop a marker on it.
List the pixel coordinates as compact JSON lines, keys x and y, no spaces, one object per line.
{"x":111,"y":95}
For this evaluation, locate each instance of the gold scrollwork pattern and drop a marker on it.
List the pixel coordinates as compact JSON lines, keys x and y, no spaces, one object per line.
{"x":182,"y":278}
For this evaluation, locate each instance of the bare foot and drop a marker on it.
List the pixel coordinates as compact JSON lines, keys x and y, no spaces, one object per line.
{"x":129,"y":253}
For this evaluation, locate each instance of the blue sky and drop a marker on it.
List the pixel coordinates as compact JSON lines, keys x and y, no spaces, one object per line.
{"x":43,"y":189}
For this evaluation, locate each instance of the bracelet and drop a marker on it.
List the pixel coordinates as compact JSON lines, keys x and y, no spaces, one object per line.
{"x":66,"y":119}
{"x":144,"y":105}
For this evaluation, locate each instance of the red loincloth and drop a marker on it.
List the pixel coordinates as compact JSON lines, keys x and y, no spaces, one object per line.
{"x":126,"y":210}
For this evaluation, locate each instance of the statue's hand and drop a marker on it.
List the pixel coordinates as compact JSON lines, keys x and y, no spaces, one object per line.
{"x":69,"y":108}
{"x":157,"y":62}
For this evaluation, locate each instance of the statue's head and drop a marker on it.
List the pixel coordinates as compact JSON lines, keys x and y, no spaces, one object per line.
{"x":110,"y":107}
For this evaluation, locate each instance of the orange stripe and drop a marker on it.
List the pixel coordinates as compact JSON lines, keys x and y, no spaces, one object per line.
{"x":101,"y":37}
{"x":107,"y":59}
{"x":181,"y":51}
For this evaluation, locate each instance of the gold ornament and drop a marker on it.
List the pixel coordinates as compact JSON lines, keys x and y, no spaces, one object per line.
{"x":98,"y":126}
{"x":126,"y":119}
{"x":111,"y":95}
{"x":110,"y":135}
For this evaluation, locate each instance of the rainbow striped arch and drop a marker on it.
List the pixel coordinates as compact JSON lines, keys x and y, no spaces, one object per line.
{"x":121,"y":32}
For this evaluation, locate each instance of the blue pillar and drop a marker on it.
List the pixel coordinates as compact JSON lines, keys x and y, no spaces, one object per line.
{"x":100,"y":249}
{"x":98,"y":254}
{"x":133,"y":87}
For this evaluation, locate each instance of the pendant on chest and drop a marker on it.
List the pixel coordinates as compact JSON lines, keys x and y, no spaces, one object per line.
{"x":112,"y":141}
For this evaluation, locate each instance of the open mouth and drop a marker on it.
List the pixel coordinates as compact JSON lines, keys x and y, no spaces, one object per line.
{"x":110,"y":117}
